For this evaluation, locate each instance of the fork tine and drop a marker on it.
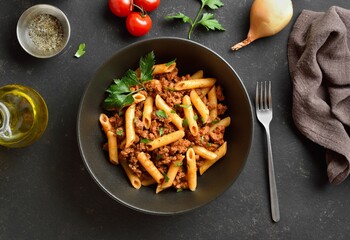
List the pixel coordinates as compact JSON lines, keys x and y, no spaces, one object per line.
{"x":266,"y":106}
{"x":270,"y":96}
{"x":261,"y":97}
{"x":257,"y":96}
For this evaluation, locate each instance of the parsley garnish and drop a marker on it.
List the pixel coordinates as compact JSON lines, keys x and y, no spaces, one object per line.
{"x":158,"y":157}
{"x":215,"y":121}
{"x":146,"y":66}
{"x":185,"y":123}
{"x":173,"y":111}
{"x":81,"y":50}
{"x":178,"y":164}
{"x":120,"y":94}
{"x":179,"y":190}
{"x":207,"y":19}
{"x":144,"y":140}
{"x":161,"y":131}
{"x":195,"y":117}
{"x":171,"y":62}
{"x":161,"y":113}
{"x":119,"y":132}
{"x":185,"y":105}
{"x":166,"y":178}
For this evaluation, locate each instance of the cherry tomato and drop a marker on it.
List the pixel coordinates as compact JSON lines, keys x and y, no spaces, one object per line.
{"x":120,"y":8}
{"x":147,"y":5}
{"x":138,"y":24}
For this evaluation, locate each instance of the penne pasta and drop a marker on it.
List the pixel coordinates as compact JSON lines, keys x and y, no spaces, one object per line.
{"x":199,"y":105}
{"x":112,"y":147}
{"x":150,"y":167}
{"x":195,"y":83}
{"x":223,"y":122}
{"x":197,"y":75}
{"x":191,"y":169}
{"x":203,"y":92}
{"x":165,"y":140}
{"x":134,"y":180}
{"x":171,"y":174}
{"x":130,"y":135}
{"x":122,"y":144}
{"x":105,"y":123}
{"x":189,"y":114}
{"x":159,"y":69}
{"x":176,"y":119}
{"x":138,"y":97}
{"x":147,"y":111}
{"x":213,"y":103}
{"x":204,"y":153}
{"x":163,"y":68}
{"x":148,"y":181}
{"x":111,"y":138}
{"x":220,"y":152}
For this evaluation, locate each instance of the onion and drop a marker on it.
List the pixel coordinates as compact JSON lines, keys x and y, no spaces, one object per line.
{"x":267,"y":18}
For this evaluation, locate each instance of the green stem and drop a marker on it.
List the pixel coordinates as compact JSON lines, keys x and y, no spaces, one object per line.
{"x":194,"y":23}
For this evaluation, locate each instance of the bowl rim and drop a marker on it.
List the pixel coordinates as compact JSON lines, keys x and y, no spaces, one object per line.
{"x":54,"y":9}
{"x":109,"y":193}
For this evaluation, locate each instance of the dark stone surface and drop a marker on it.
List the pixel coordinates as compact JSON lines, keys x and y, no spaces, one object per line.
{"x":46,"y":192}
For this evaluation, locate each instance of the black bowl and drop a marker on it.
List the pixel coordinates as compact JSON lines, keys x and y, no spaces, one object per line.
{"x":190,"y":57}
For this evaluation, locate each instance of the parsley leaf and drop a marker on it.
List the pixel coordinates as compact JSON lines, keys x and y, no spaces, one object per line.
{"x":195,"y":117}
{"x":130,"y":78}
{"x":117,"y":100}
{"x":213,"y":4}
{"x":81,"y":50}
{"x":185,"y":105}
{"x":215,"y":121}
{"x":178,"y":164}
{"x":206,"y":20}
{"x":181,"y":16}
{"x":171,"y":62}
{"x":166,"y":178}
{"x":144,"y":140}
{"x":119,"y":86}
{"x":161,"y":131}
{"x":146,"y":66}
{"x":161,"y":114}
{"x":185,"y":123}
{"x":119,"y":92}
{"x":158,"y":157}
{"x":119,"y":132}
{"x":209,"y":22}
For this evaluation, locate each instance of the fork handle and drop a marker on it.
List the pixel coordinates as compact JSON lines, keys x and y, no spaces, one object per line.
{"x":275,"y":212}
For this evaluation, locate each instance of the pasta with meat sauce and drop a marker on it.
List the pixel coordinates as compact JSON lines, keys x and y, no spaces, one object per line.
{"x":173,"y":130}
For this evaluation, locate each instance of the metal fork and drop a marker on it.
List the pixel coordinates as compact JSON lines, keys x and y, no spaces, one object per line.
{"x":263,"y":107}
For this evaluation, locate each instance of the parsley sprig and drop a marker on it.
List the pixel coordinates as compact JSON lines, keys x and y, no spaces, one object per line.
{"x":120,"y":93}
{"x":81,"y":50}
{"x":206,"y":20}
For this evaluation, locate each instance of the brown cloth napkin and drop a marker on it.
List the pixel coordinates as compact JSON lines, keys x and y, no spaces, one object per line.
{"x":319,"y":65}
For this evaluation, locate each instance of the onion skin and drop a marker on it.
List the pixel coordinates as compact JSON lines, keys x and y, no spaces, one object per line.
{"x":267,"y":18}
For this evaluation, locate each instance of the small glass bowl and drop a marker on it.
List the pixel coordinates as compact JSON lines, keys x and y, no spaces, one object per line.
{"x":23,"y":27}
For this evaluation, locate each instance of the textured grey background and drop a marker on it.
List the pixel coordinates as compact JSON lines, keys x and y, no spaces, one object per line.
{"x":46,"y":192}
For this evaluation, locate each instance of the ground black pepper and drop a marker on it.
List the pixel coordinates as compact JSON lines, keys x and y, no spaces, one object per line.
{"x":46,"y":32}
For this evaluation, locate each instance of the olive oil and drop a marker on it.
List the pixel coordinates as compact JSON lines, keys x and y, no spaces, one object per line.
{"x":23,"y":115}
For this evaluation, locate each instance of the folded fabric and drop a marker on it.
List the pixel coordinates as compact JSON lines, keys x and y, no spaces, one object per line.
{"x":319,"y":65}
